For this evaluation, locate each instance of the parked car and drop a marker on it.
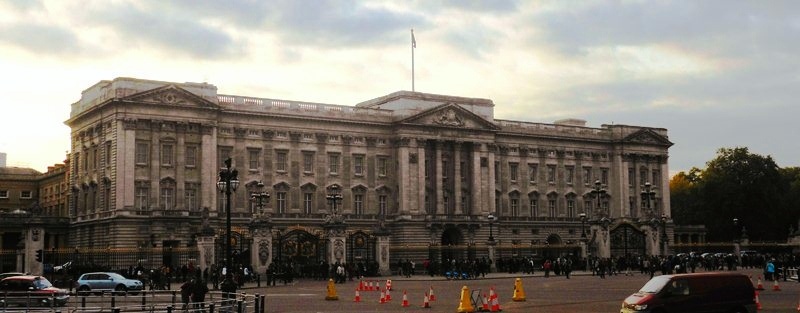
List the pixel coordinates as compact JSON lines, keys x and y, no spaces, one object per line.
{"x":30,"y":291}
{"x":699,"y":292}
{"x":10,"y":274}
{"x":106,"y":281}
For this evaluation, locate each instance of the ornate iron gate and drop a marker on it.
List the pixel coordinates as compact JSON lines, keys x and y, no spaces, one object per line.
{"x":626,"y":240}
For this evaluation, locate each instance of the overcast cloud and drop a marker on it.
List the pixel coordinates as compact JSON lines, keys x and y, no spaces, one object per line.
{"x":714,"y":73}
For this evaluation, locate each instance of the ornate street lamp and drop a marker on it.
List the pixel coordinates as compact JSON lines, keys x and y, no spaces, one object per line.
{"x":491,"y":218}
{"x":736,"y":230}
{"x":598,"y":191}
{"x":648,"y":194}
{"x":227,"y":184}
{"x":334,"y":198}
{"x":260,"y":197}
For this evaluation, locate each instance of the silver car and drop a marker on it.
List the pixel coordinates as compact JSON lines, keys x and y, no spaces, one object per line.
{"x":106,"y":281}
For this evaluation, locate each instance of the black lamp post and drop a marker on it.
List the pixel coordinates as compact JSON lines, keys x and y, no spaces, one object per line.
{"x":598,"y":193}
{"x":491,"y":219}
{"x":227,"y":184}
{"x":260,"y":197}
{"x":736,"y":233}
{"x":648,"y":194}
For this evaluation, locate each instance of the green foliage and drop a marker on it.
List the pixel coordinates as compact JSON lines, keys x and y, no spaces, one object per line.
{"x":742,"y":185}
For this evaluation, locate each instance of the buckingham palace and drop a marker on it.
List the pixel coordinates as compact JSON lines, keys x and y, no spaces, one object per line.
{"x":408,"y":175}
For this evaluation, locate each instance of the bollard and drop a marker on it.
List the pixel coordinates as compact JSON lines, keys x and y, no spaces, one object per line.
{"x":174,"y":295}
{"x":115,"y":310}
{"x":113,"y":299}
{"x":83,"y":301}
{"x":211,"y":308}
{"x":263,"y":298}
{"x":257,"y":303}
{"x":239,"y":306}
{"x":144,"y":299}
{"x":258,"y":280}
{"x":169,"y":309}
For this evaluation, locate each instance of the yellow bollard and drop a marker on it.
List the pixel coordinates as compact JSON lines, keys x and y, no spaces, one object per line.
{"x":519,"y":293}
{"x":466,"y":304}
{"x":331,"y":291}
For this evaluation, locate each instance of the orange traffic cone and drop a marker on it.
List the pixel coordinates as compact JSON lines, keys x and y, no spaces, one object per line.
{"x":358,"y":296}
{"x":383,"y":297}
{"x":388,"y":295}
{"x":759,"y":286}
{"x":485,"y":306}
{"x":798,"y":306}
{"x":775,"y":286}
{"x":431,"y":297}
{"x":495,"y":301}
{"x":758,"y":303}
{"x":361,"y":285}
{"x":405,"y":299}
{"x":369,"y":287}
{"x":426,"y":304}
{"x":388,"y":284}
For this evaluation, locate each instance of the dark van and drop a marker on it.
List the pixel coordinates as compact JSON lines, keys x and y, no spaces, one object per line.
{"x":699,"y":292}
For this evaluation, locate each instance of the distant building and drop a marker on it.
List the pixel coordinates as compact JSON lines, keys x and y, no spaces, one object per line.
{"x":423,"y":169}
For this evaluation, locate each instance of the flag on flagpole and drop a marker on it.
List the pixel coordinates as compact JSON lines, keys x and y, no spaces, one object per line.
{"x":413,"y":41}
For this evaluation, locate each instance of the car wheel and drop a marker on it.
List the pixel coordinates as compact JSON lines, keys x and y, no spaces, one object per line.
{"x":83,"y":289}
{"x":121,"y":288}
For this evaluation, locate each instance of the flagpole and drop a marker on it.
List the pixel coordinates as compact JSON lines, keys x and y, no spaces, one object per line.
{"x":413,"y":45}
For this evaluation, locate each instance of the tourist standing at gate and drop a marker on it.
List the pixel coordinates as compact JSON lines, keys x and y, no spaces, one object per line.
{"x":546,"y":268}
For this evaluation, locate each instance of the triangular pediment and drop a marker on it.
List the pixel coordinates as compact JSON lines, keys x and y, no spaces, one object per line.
{"x":171,"y":95}
{"x":449,"y":115}
{"x":648,"y":137}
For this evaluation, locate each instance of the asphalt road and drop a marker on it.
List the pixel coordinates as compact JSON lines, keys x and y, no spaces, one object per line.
{"x":581,"y":293}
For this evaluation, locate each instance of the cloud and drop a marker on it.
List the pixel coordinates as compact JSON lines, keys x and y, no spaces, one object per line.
{"x":171,"y":30}
{"x":41,"y":38}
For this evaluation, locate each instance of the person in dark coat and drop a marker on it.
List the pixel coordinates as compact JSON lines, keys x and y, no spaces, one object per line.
{"x":199,"y":291}
{"x":186,"y":293}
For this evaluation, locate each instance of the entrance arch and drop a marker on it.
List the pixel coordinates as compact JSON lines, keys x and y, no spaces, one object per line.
{"x":451,"y":244}
{"x":627,"y":240}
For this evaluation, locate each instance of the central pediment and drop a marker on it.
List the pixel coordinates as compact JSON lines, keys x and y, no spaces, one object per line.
{"x":171,"y":95}
{"x":449,"y":115}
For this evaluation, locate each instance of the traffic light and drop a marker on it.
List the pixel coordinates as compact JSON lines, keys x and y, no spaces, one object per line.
{"x":39,"y":255}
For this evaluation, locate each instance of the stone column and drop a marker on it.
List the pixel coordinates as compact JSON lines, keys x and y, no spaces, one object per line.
{"x":261,"y":248}
{"x":422,"y":205}
{"x":205,"y":249}
{"x":336,"y":242}
{"x":403,"y":176}
{"x":477,"y":206}
{"x":437,"y":178}
{"x":34,"y":240}
{"x":382,"y":252}
{"x":457,"y":178}
{"x":492,"y":247}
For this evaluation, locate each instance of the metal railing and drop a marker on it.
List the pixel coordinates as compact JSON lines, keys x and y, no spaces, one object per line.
{"x":145,"y":301}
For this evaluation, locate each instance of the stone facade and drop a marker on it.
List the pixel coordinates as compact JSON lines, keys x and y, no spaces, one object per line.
{"x":419,"y":172}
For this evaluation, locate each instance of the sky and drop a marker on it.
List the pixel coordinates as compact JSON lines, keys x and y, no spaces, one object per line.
{"x":715,"y":74}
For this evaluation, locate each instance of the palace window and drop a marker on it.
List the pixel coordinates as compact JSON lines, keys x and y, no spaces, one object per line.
{"x":280,"y":161}
{"x":569,"y":174}
{"x":142,"y":198}
{"x":26,"y":194}
{"x":253,"y":156}
{"x":551,"y":207}
{"x":604,"y":176}
{"x":358,"y":204}
{"x":571,"y":206}
{"x":382,"y":204}
{"x":512,"y":171}
{"x":308,"y":202}
{"x":191,"y":156}
{"x":167,"y":154}
{"x":190,"y":198}
{"x":333,"y":164}
{"x":142,"y":153}
{"x":514,"y":203}
{"x":358,"y":165}
{"x":532,"y":172}
{"x":167,"y":196}
{"x":308,"y":162}
{"x":108,"y":154}
{"x":534,"y":205}
{"x":587,"y":175}
{"x":551,"y":174}
{"x":382,"y":164}
{"x":280,"y":201}
{"x":223,"y":154}
{"x":3,"y":194}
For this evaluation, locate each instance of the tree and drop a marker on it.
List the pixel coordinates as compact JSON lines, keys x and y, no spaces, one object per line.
{"x":749,"y":187}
